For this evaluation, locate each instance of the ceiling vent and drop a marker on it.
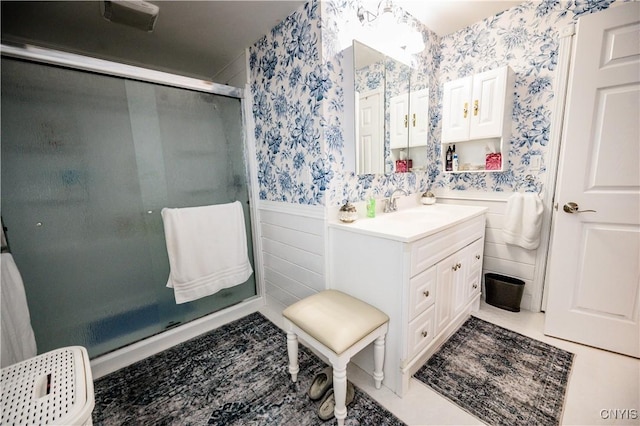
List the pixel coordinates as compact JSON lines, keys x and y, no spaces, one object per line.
{"x":137,"y":14}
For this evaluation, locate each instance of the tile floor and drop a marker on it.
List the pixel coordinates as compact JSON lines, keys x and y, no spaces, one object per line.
{"x":599,"y":380}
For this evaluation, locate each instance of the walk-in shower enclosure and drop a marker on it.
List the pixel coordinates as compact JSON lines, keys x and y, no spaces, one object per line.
{"x":89,"y":159}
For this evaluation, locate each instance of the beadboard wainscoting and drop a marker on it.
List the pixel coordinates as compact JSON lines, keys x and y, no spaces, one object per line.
{"x":293,"y":238}
{"x":502,"y":258}
{"x":293,"y":251}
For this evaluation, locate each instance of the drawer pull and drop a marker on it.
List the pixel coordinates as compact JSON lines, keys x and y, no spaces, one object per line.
{"x":425,"y":333}
{"x":478,"y":256}
{"x":426,"y":293}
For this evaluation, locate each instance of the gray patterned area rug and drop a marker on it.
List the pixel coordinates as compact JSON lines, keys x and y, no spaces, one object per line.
{"x":500,"y":376}
{"x":234,"y":375}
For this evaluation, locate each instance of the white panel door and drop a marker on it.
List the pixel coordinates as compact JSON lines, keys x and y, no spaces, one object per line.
{"x":370,"y":153}
{"x":594,"y":272}
{"x":488,"y":102}
{"x":456,"y":110}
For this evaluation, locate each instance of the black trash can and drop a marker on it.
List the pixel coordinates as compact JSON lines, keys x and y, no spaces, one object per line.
{"x":503,"y":292}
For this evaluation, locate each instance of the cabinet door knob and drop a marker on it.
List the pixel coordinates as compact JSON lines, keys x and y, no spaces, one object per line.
{"x":465,"y":110}
{"x":454,"y":267}
{"x":459,"y":265}
{"x":425,"y":333}
{"x":475,"y":286}
{"x":406,"y":121}
{"x":414,"y":120}
{"x":478,"y":256}
{"x":426,"y":293}
{"x":475,"y":107}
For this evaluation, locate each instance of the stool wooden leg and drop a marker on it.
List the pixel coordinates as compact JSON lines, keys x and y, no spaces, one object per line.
{"x":292,"y":350}
{"x":340,"y":392}
{"x":378,"y":360}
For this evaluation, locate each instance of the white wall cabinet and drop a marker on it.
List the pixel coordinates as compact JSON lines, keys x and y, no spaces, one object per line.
{"x":477,"y":113}
{"x":428,"y":287}
{"x":399,"y":121}
{"x":419,"y":118}
{"x":409,"y":119}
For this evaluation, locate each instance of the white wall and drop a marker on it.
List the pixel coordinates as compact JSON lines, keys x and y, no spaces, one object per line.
{"x":502,"y":258}
{"x":293,"y":251}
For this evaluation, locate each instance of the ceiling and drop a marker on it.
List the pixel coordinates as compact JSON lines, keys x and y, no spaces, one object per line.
{"x":447,"y":16}
{"x":194,"y":38}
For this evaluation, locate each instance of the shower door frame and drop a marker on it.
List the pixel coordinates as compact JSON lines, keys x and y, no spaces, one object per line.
{"x":137,"y":351}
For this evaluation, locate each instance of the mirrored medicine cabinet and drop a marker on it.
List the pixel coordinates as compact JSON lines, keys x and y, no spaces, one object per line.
{"x":391,"y":114}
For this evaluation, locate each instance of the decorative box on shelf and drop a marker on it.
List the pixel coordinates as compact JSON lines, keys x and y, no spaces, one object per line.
{"x":493,"y":161}
{"x":403,"y":166}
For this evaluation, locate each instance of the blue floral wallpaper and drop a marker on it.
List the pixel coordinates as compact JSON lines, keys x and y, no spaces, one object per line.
{"x":289,"y":84}
{"x":298,"y":87}
{"x":526,"y":38}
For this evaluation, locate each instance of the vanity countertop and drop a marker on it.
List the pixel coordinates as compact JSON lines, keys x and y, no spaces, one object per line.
{"x":411,"y":224}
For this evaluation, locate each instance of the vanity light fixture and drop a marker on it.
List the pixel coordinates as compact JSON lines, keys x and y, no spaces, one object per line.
{"x":385,"y":22}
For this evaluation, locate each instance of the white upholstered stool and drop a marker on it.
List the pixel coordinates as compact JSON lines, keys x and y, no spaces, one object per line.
{"x":338,"y":326}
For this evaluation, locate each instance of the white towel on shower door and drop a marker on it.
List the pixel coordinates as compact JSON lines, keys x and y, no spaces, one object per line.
{"x":522,"y":220}
{"x":18,"y":341}
{"x":207,"y":249}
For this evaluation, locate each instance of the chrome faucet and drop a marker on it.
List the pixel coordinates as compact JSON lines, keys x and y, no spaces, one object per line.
{"x":390,"y":203}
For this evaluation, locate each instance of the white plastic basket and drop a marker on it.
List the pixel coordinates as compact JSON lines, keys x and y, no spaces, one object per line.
{"x":55,"y":388}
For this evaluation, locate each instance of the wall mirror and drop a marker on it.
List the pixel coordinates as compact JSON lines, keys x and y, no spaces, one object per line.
{"x":379,"y":79}
{"x":390,"y":117}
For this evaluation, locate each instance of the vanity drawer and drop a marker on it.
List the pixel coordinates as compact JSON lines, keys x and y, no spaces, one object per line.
{"x":430,"y":250}
{"x":422,"y":291}
{"x":421,"y":331}
{"x":476,"y":251}
{"x":473,"y":283}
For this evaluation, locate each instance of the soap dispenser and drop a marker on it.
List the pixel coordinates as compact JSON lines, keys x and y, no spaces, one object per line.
{"x":371,"y":207}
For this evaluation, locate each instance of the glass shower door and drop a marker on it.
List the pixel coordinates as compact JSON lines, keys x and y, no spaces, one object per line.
{"x":88,"y":162}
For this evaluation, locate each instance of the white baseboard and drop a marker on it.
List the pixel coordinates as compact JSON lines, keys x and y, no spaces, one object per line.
{"x":135,"y":352}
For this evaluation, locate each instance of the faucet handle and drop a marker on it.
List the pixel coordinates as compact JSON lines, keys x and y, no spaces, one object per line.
{"x":387,"y":206}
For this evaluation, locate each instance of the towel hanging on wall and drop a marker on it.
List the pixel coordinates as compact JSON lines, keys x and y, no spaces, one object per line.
{"x":18,"y":342}
{"x":523,"y":220}
{"x":207,"y":248}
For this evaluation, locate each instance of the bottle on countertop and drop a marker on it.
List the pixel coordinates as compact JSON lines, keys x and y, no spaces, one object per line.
{"x":371,"y":207}
{"x":454,"y":163}
{"x":449,"y":159}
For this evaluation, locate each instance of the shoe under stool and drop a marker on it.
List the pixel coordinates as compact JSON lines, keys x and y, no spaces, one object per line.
{"x":338,"y":326}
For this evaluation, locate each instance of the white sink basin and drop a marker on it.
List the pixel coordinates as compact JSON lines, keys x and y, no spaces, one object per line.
{"x":413,"y":223}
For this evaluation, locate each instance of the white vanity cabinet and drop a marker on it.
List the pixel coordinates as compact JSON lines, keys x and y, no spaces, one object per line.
{"x":428,"y":283}
{"x":476,"y":113}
